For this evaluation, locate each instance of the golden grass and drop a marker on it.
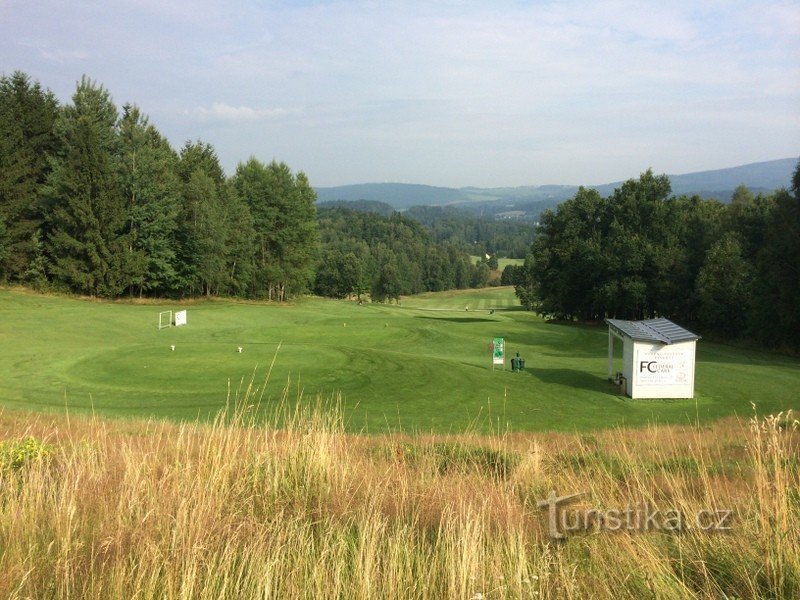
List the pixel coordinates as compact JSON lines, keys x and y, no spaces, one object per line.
{"x":151,"y":509}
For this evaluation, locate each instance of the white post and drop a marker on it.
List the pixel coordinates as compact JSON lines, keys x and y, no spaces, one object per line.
{"x":610,"y":354}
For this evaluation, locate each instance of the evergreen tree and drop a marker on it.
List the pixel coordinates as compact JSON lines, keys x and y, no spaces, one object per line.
{"x":27,"y":141}
{"x":512,"y":275}
{"x":86,"y":210}
{"x":696,"y":224}
{"x":200,"y":156}
{"x":36,"y":273}
{"x":4,"y":245}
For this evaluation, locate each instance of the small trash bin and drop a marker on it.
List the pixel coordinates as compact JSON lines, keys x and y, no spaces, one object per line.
{"x":514,"y":365}
{"x":521,"y":364}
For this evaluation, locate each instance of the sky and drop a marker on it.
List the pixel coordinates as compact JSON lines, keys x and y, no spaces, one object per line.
{"x":487,"y":94}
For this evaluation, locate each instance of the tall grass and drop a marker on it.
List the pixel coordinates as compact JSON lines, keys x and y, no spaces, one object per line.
{"x":298,"y":508}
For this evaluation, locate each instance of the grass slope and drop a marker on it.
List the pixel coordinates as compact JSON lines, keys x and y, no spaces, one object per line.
{"x":420,"y":366}
{"x":502,"y":263}
{"x":106,"y":509}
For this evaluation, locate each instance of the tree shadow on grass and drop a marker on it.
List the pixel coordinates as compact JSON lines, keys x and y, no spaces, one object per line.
{"x":574,"y":378}
{"x":459,"y":319}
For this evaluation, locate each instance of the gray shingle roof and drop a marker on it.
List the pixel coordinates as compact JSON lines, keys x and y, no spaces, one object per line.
{"x":661,"y":331}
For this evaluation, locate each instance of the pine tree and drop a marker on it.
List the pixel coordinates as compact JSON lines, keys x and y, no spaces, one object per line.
{"x":36,"y":273}
{"x":86,"y":211}
{"x":27,"y":140}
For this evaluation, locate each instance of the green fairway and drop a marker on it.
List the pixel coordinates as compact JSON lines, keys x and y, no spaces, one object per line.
{"x":502,"y":263}
{"x":418,"y":366}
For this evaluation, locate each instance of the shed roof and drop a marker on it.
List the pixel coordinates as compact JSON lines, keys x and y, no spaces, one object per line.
{"x":661,"y":330}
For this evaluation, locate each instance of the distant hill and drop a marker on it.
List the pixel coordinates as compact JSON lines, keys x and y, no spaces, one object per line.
{"x":531,"y":200}
{"x":398,"y":195}
{"x":769,"y":175}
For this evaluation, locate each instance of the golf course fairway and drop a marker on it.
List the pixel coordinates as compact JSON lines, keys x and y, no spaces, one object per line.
{"x":420,"y":366}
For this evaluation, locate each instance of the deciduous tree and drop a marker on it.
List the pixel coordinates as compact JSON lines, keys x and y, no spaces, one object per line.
{"x":151,"y":189}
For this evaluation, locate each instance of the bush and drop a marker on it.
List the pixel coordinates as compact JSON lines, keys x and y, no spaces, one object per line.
{"x":14,"y":455}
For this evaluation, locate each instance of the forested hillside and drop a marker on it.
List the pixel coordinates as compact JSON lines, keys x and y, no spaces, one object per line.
{"x":482,"y":235}
{"x":459,"y":226}
{"x":729,"y":269}
{"x":387,"y":256}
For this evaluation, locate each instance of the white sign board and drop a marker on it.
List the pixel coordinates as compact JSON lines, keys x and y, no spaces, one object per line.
{"x":180,"y":318}
{"x":663,"y":366}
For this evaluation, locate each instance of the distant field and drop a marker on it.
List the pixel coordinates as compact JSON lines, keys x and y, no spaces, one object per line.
{"x":502,"y":263}
{"x":419,"y":366}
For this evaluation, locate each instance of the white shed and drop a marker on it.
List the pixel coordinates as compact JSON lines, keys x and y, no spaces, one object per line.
{"x":657,"y":358}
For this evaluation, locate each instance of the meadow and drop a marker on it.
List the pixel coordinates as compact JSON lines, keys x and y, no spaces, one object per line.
{"x":420,"y":366}
{"x":111,"y":508}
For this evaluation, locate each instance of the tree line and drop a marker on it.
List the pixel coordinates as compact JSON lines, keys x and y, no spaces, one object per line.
{"x":94,"y":200}
{"x":387,"y":256}
{"x":731,"y":270}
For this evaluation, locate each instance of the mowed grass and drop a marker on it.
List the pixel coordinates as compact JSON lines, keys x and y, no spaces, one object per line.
{"x":502,"y":263}
{"x":422,"y":365}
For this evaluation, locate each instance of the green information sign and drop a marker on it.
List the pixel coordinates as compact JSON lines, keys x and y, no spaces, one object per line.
{"x":498,"y":351}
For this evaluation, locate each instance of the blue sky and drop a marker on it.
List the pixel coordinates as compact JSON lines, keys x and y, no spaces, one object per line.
{"x":443,"y":93}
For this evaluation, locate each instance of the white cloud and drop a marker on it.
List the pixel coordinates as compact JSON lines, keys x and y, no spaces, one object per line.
{"x":62,"y":56}
{"x":224,"y":112}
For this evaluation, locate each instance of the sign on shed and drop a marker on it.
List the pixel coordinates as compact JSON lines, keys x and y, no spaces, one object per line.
{"x":657,"y":358}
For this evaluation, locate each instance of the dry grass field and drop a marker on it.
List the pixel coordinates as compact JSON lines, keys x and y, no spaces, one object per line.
{"x":237,"y":508}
